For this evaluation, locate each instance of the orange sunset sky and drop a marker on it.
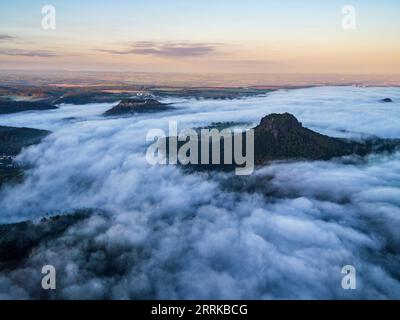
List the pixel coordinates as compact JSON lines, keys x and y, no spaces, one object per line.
{"x":254,"y":36}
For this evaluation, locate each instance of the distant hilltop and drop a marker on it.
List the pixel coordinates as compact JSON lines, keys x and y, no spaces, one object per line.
{"x":7,"y":106}
{"x":283,"y":137}
{"x":137,"y":105}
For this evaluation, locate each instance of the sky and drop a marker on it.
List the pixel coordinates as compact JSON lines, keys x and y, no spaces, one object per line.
{"x":225,"y":36}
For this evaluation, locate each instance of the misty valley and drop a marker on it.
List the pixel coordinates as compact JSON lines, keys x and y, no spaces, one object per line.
{"x":78,"y":193}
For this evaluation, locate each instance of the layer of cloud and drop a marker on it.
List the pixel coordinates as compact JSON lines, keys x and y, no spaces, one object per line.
{"x":29,"y":53}
{"x":284,"y":232}
{"x":6,"y":38}
{"x":167,"y":49}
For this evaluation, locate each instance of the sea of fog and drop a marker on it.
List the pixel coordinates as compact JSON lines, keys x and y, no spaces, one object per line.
{"x":284,"y":232}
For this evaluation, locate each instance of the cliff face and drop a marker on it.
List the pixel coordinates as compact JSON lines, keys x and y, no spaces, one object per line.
{"x":136,"y":105}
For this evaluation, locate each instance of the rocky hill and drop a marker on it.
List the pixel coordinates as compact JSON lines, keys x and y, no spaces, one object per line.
{"x":12,"y":140}
{"x":8,"y":106}
{"x":137,"y":105}
{"x":283,"y":137}
{"x":17,"y":240}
